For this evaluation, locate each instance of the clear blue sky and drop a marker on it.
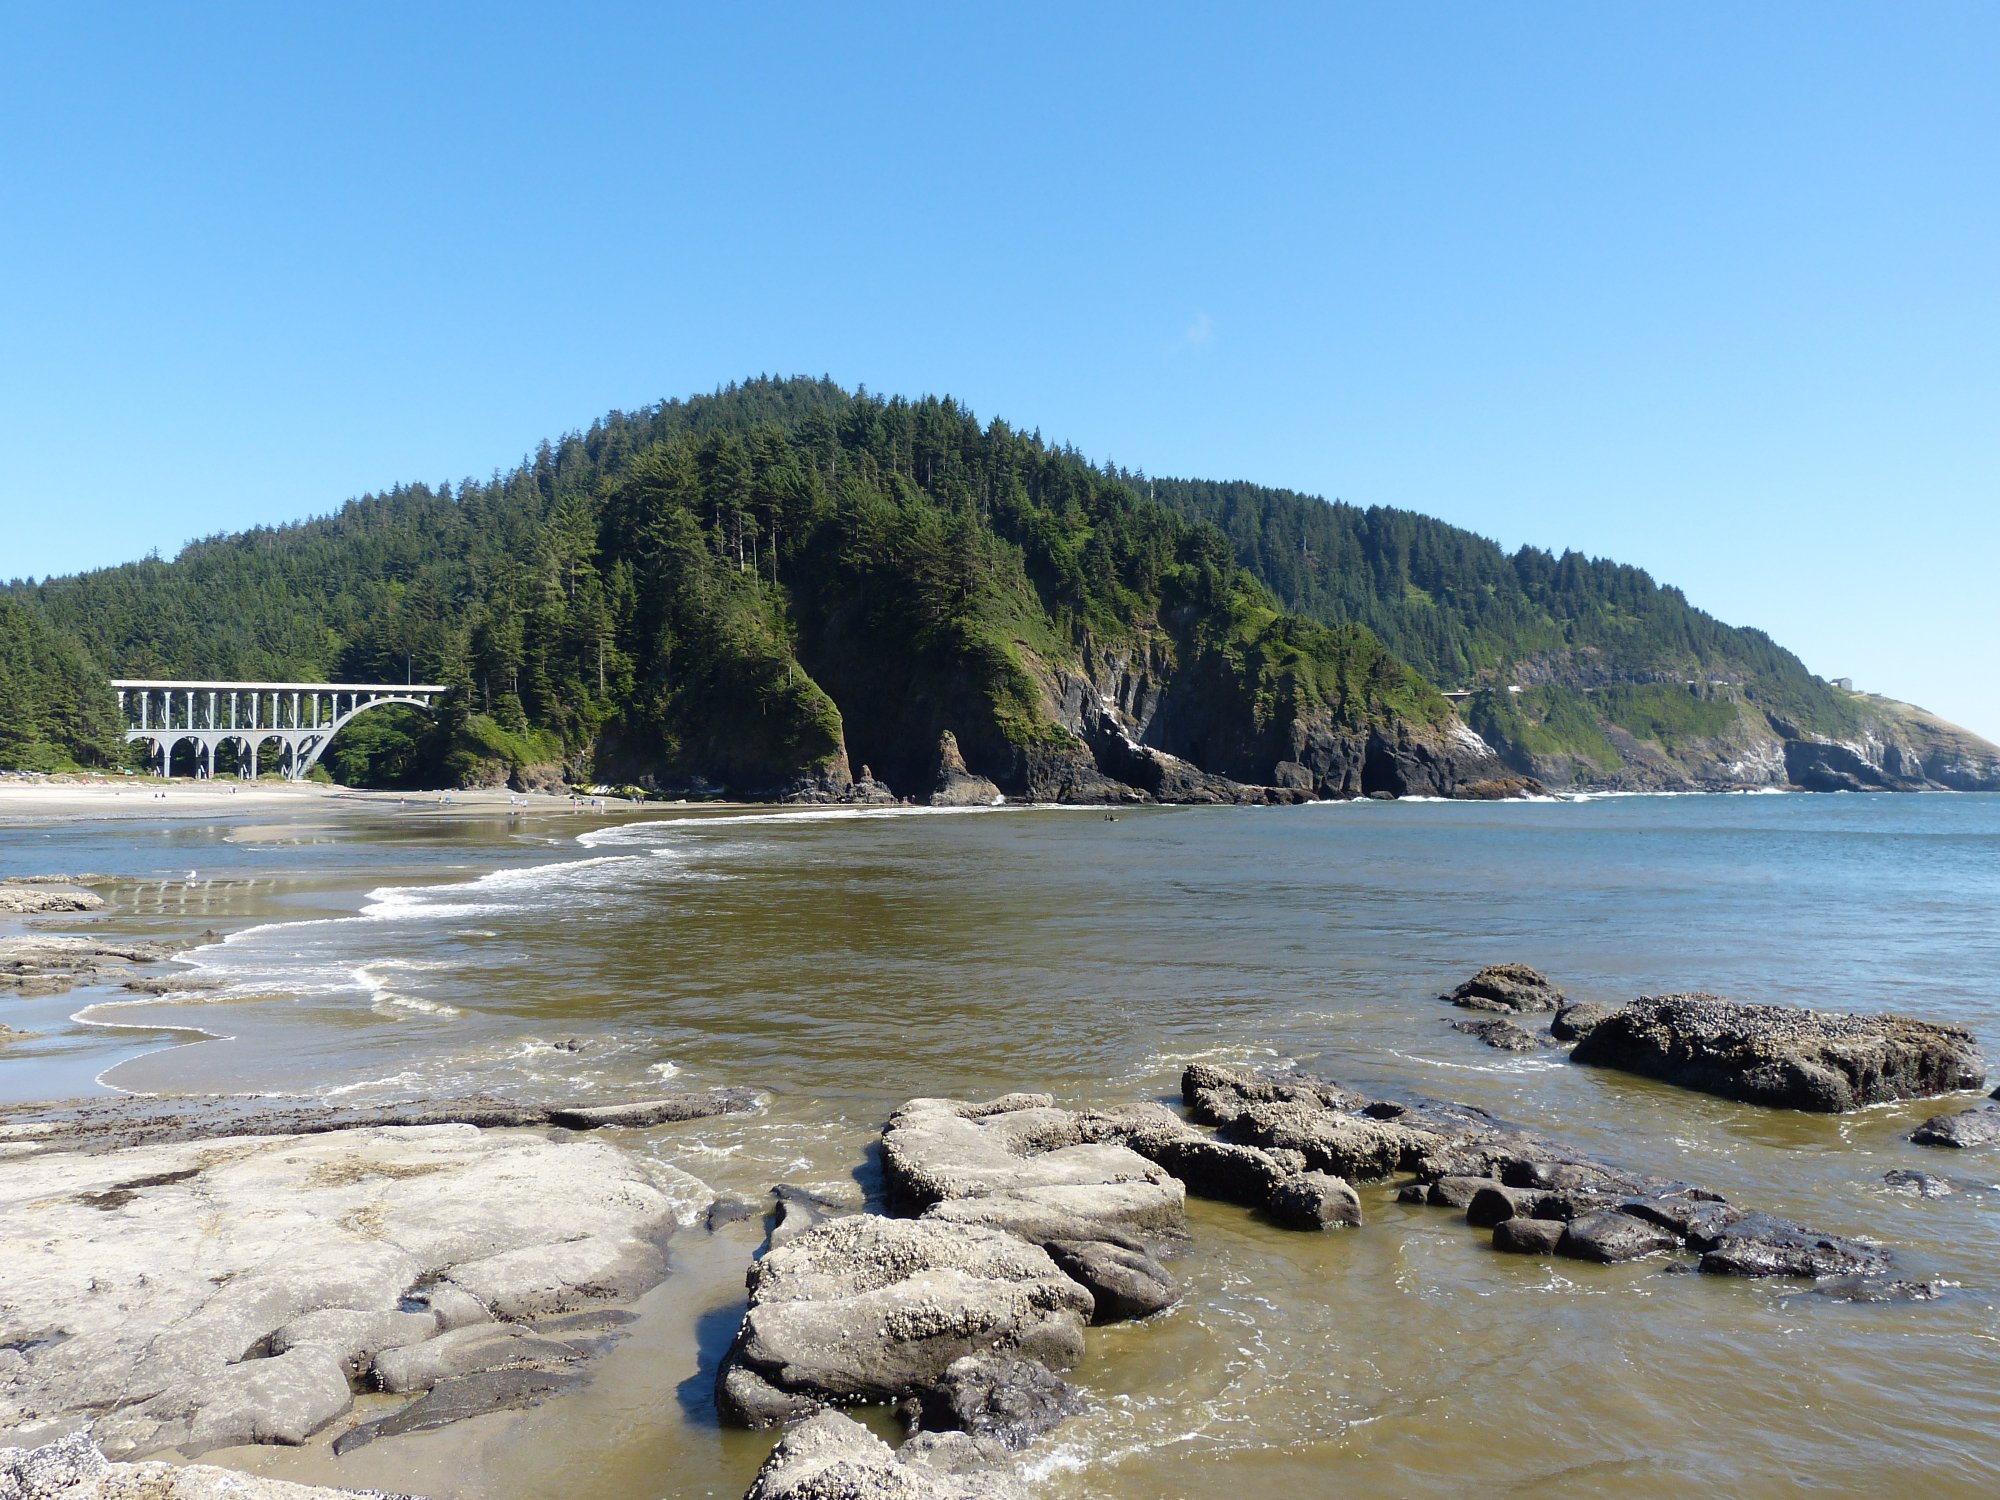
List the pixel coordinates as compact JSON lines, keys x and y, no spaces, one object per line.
{"x":1710,"y":289}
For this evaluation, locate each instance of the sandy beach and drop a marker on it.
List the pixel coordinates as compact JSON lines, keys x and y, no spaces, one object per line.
{"x":93,"y":798}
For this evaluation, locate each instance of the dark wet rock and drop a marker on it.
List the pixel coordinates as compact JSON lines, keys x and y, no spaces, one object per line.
{"x":1123,"y":1280}
{"x":728,"y":1211}
{"x":1610,"y":1237}
{"x":94,"y":1126}
{"x":1500,"y":1034}
{"x":1683,"y":1214}
{"x":1783,"y":1055}
{"x":1207,"y":1167}
{"x":1453,"y":1192}
{"x":1522,"y":1236}
{"x":460,"y":1397}
{"x":874,"y":1309}
{"x":1463,"y":1157}
{"x":1512,"y":988}
{"x":1962,"y":1131}
{"x":1917,"y":1184}
{"x":1764,"y":1245}
{"x":954,"y":785}
{"x":799,"y":1209}
{"x":647,"y":1112}
{"x":998,"y":1396}
{"x":1877,"y":1288}
{"x":1565,"y":1204}
{"x":1577,"y":1020}
{"x":833,"y":1457}
{"x":1496,"y":1204}
{"x":1313,"y":1200}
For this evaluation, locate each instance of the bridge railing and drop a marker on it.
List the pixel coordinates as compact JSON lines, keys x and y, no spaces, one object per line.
{"x":302,"y":717}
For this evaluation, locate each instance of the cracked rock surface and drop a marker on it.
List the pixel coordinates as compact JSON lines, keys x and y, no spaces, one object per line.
{"x":74,"y":1468}
{"x":874,"y":1309}
{"x":199,"y":1294}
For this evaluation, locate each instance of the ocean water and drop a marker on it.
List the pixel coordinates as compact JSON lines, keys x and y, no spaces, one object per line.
{"x":844,"y":961}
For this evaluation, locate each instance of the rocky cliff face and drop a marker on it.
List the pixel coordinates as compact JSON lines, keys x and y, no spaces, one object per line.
{"x":1141,"y":725}
{"x":1896,"y":748}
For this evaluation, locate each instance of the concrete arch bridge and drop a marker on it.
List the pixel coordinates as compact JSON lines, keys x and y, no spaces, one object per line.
{"x":299,"y":718}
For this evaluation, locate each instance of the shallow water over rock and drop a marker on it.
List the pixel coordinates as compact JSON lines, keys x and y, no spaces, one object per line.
{"x":845,"y":963}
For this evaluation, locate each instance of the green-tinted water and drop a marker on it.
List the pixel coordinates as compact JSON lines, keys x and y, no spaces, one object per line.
{"x":844,"y":963}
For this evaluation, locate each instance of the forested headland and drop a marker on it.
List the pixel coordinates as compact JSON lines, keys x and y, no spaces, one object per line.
{"x":762,"y":590}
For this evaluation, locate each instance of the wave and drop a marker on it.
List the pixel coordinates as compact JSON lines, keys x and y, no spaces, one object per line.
{"x":624,"y":833}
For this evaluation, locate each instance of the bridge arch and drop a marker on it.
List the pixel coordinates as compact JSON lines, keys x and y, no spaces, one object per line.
{"x":300,"y":717}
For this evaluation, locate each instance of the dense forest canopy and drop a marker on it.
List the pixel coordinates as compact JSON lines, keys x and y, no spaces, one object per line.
{"x":689,"y":589}
{"x":745,"y":587}
{"x":1467,"y":614}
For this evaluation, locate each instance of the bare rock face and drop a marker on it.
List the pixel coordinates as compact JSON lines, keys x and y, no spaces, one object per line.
{"x":1510,"y":988}
{"x":1216,"y":1095}
{"x":1783,"y":1055}
{"x":74,"y":1468}
{"x":833,"y":1457}
{"x":207,"y":1293}
{"x":875,"y":1309}
{"x":1351,"y":1146}
{"x":96,"y":1126}
{"x":955,"y":786}
{"x":38,"y":965}
{"x":41,"y":899}
{"x":1021,"y":1164}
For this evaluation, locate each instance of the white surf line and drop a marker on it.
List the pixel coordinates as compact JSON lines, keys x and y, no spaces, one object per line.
{"x":616,"y":833}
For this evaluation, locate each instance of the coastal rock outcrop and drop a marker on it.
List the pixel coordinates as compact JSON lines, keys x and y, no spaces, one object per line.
{"x":876,"y":1309}
{"x":1576,"y":1020}
{"x":954,"y":785}
{"x":41,"y":898}
{"x":75,"y":1468}
{"x":1967,"y":1128}
{"x":94,"y":1126}
{"x":37,"y":965}
{"x":1784,"y":1055}
{"x":1534,"y":1194}
{"x":997,"y":1396}
{"x":833,"y":1457}
{"x":234,"y":1288}
{"x":1501,"y":1034}
{"x":1021,"y":1164}
{"x":1509,"y":988}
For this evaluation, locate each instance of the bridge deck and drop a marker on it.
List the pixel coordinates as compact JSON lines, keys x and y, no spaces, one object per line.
{"x":203,"y":684}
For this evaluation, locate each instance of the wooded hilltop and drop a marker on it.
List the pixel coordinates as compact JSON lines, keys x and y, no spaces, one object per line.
{"x":762,"y":591}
